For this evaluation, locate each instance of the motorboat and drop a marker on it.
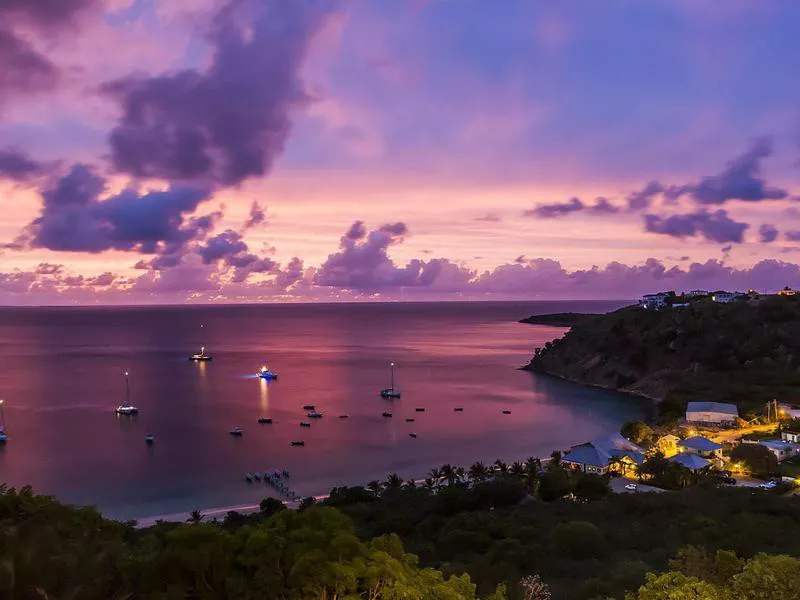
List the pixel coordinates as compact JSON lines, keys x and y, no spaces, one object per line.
{"x":412,"y":435}
{"x":314,"y":415}
{"x":248,"y":477}
{"x":391,"y":391}
{"x":257,"y":476}
{"x":458,"y":409}
{"x":126,"y":408}
{"x":409,"y":420}
{"x":506,"y":412}
{"x":309,"y":407}
{"x":344,"y":416}
{"x":265,"y":420}
{"x":200,"y":356}
{"x":305,"y":424}
{"x":265,"y":373}
{"x":419,"y":410}
{"x":299,"y":443}
{"x":148,"y":439}
{"x":387,"y":413}
{"x":236,"y":431}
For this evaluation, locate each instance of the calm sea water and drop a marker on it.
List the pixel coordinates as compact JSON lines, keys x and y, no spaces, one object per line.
{"x":61,"y":374}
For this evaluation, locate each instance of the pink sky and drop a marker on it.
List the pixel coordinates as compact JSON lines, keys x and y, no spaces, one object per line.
{"x":488,"y":134}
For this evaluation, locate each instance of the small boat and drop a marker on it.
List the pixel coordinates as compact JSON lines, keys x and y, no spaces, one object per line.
{"x":390,"y":392}
{"x":3,"y":434}
{"x":506,"y":412}
{"x":257,"y":476}
{"x":387,"y":413}
{"x":265,"y":373}
{"x":309,"y":407}
{"x":412,"y":435}
{"x":265,"y":420}
{"x":410,"y":420}
{"x":305,"y":424}
{"x":344,"y":416}
{"x":300,"y":443}
{"x":148,"y":439}
{"x":126,"y":408}
{"x":419,"y":410}
{"x":200,"y":356}
{"x":248,"y":477}
{"x":458,"y":409}
{"x":314,"y":415}
{"x":236,"y":431}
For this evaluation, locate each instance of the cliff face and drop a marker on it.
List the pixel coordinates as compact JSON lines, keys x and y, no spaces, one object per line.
{"x":745,"y":352}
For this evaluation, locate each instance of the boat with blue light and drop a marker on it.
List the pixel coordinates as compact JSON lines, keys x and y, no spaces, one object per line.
{"x":149,"y":439}
{"x":314,"y":414}
{"x":265,"y":373}
{"x":200,"y":356}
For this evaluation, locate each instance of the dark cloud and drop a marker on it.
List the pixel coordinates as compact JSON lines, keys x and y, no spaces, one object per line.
{"x":356,"y":231}
{"x":726,"y":249}
{"x":256,"y":217}
{"x":232,"y":251}
{"x":740,"y":180}
{"x":48,"y":269}
{"x":23,"y":69}
{"x":643,"y":198}
{"x":489,"y":218}
{"x":551,"y":211}
{"x":230,"y":122}
{"x":75,"y":219}
{"x":17,"y":166}
{"x":768,"y":233}
{"x":520,"y":260}
{"x":792,"y":236}
{"x":714,"y":226}
{"x":602,"y":206}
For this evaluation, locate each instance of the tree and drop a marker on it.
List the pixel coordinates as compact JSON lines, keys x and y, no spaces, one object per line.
{"x":195,"y":516}
{"x":589,"y":486}
{"x":375,"y":487}
{"x":534,"y":588}
{"x":676,"y":586}
{"x":477,"y":472}
{"x":756,"y":459}
{"x":269,"y":506}
{"x":765,"y":577}
{"x":517,"y":469}
{"x":306,"y":503}
{"x":554,"y":484}
{"x":449,"y":474}
{"x":579,"y":540}
{"x":393,"y":483}
{"x":638,"y":432}
{"x":500,"y":467}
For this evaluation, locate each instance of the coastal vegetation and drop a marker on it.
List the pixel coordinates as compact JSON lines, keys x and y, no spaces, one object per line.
{"x":567,"y":319}
{"x":489,"y":531}
{"x":746,"y":352}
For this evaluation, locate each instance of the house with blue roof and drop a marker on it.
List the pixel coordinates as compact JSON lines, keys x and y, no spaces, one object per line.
{"x":781,"y":448}
{"x":612,"y":453}
{"x":701,"y":446}
{"x":690,"y":461}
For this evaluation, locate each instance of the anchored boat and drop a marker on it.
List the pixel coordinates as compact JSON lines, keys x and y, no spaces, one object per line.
{"x":126,"y":408}
{"x":390,"y":392}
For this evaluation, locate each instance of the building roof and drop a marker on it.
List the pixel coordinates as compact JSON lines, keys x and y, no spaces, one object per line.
{"x":599,"y":452}
{"x":698,"y":442}
{"x":778,"y":445}
{"x":719,"y":407}
{"x":690,"y":461}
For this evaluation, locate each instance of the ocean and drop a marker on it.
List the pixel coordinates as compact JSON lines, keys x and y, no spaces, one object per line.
{"x":62,"y":376}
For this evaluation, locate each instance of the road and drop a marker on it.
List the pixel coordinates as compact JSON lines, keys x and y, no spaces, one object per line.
{"x":728,"y":435}
{"x":618,"y":486}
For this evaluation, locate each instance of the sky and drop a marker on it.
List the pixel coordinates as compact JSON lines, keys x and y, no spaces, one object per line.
{"x":167,"y":151}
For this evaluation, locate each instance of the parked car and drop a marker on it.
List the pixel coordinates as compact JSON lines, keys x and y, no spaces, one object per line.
{"x":631,"y":487}
{"x":767,"y":485}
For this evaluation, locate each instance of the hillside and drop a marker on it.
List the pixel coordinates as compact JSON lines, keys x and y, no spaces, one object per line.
{"x":558,"y":319}
{"x":743,"y":352}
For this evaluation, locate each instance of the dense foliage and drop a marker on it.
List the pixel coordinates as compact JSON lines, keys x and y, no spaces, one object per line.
{"x":746,"y":352}
{"x":492,"y":530}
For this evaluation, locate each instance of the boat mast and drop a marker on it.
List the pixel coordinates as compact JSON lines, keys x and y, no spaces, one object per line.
{"x":392,"y":365}
{"x":2,"y":418}
{"x":127,"y":390}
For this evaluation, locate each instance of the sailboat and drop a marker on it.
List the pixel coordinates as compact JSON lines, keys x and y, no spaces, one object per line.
{"x":390,"y":392}
{"x":3,"y":434}
{"x":126,"y":408}
{"x":198,"y":356}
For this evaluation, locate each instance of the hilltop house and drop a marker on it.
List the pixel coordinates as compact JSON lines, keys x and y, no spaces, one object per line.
{"x":702,"y":447}
{"x":691,"y":461}
{"x":695,"y":294}
{"x":791,"y":436}
{"x":613,"y":453}
{"x":725,"y":297}
{"x":780,"y":448}
{"x":711,"y":412}
{"x":655,"y":301}
{"x":787,"y":291}
{"x":667,"y":445}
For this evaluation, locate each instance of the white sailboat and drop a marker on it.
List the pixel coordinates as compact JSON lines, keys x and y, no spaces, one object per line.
{"x":390,"y":392}
{"x":201,"y":356}
{"x":126,"y":408}
{"x":3,"y":434}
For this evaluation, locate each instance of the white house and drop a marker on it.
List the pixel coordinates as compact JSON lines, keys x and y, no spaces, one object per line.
{"x":787,"y":291}
{"x":711,"y":412}
{"x":781,"y":449}
{"x":790,"y":411}
{"x":793,"y":437}
{"x":654,"y":301}
{"x":695,"y":293}
{"x":725,"y":297}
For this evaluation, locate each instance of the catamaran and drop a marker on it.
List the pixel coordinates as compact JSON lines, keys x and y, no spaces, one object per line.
{"x":265,"y":373}
{"x":199,"y":356}
{"x":390,"y":392}
{"x":3,"y":434}
{"x":126,"y":408}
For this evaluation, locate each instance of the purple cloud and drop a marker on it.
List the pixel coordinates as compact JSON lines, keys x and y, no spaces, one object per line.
{"x":792,"y":236}
{"x":768,"y":233}
{"x":740,"y":180}
{"x":75,"y":219}
{"x":602,"y":206}
{"x":552,"y":211}
{"x":489,"y":217}
{"x":256,"y":217}
{"x":230,"y":122}
{"x":231,"y":250}
{"x":642,"y":199}
{"x":714,"y":226}
{"x":17,"y":166}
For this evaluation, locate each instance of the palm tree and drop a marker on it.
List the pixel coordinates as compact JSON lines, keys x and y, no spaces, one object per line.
{"x":393,"y":482}
{"x":533,"y":463}
{"x":195,"y":516}
{"x":517,"y":469}
{"x":436,"y":475}
{"x":375,"y":487}
{"x":477,"y":472}
{"x":555,"y":457}
{"x":429,"y":484}
{"x":449,"y":474}
{"x":500,"y":467}
{"x":410,"y":484}
{"x":461,"y":474}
